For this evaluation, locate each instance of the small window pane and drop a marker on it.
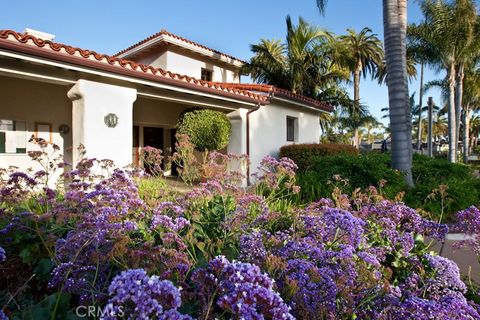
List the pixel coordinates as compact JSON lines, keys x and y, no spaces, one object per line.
{"x":291,"y":128}
{"x":13,"y":136}
{"x":206,"y":75}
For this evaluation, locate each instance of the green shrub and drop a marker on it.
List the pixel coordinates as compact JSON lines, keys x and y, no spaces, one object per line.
{"x":304,"y":154}
{"x":368,"y":169}
{"x":361,"y":171}
{"x":463,"y":188}
{"x":207,"y":129}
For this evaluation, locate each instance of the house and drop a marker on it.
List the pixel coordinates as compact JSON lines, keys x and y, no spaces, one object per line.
{"x":114,"y":105}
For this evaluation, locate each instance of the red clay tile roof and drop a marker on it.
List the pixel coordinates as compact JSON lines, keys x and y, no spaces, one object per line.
{"x":272,"y":90}
{"x":19,"y":42}
{"x":164,"y":32}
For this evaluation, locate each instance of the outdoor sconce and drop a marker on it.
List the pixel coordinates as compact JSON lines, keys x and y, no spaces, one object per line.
{"x":64,"y":129}
{"x":111,"y":120}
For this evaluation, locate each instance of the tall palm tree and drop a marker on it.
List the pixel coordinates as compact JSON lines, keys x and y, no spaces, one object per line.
{"x":395,"y":32}
{"x":363,"y":55}
{"x":448,"y":32}
{"x":304,"y":63}
{"x":474,"y":131}
{"x":471,"y":102}
{"x":395,"y":29}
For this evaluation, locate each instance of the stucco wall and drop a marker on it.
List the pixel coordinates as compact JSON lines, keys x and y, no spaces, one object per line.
{"x":35,"y":102}
{"x":189,"y":64}
{"x":268,"y":130}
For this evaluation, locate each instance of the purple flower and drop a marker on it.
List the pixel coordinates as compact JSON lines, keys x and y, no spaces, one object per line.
{"x":3,"y":316}
{"x":243,"y":291}
{"x":139,"y":296}
{"x":3,"y":256}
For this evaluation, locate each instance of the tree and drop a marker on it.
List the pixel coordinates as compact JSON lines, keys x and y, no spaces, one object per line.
{"x":394,"y":22}
{"x":448,"y":32}
{"x":363,"y":55}
{"x":303,"y":64}
{"x":471,"y":100}
{"x":395,"y":32}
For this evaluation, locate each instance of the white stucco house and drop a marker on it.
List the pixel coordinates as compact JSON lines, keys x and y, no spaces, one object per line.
{"x":66,"y":95}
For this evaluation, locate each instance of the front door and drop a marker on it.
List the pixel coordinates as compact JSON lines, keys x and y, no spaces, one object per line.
{"x":153,"y":137}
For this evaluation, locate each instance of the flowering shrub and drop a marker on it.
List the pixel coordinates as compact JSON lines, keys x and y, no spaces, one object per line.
{"x":152,"y":160}
{"x":139,"y":296}
{"x":220,"y":250}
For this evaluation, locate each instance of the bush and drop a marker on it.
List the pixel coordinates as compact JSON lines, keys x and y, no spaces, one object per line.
{"x":361,"y":171}
{"x":217,"y":251}
{"x":304,"y":154}
{"x":207,"y":129}
{"x":463,"y":189}
{"x":428,"y":174}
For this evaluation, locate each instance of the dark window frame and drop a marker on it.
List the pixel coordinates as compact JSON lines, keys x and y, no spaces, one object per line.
{"x":291,"y":124}
{"x":206,"y":74}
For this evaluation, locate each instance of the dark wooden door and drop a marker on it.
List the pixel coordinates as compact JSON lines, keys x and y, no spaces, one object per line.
{"x":153,"y":137}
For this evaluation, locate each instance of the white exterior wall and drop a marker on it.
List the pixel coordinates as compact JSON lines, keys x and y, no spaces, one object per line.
{"x":92,"y":101}
{"x":35,"y":102}
{"x":190,"y":65}
{"x":268,"y":130}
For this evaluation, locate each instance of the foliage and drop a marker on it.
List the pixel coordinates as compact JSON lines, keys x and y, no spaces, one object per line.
{"x":207,"y":129}
{"x":186,"y":160}
{"x":152,"y":160}
{"x":430,"y":173}
{"x":304,"y":154}
{"x":234,"y":252}
{"x":305,"y":63}
{"x":373,"y":169}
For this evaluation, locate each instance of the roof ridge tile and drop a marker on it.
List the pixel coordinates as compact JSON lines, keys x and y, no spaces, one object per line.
{"x":166,"y":32}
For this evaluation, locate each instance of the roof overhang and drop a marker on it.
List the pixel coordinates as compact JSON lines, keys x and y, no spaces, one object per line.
{"x":181,"y":43}
{"x":40,"y":52}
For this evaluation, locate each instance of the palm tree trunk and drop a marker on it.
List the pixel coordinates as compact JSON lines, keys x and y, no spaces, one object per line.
{"x":452,"y":130}
{"x":459,"y":101}
{"x":394,"y":16}
{"x":466,"y":132}
{"x":420,"y":106}
{"x":356,"y":99}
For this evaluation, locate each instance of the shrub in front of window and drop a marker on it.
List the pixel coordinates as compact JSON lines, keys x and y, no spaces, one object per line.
{"x":207,"y":129}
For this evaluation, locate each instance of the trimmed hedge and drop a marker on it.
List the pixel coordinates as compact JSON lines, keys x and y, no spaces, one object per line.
{"x":207,"y":129}
{"x":304,"y":154}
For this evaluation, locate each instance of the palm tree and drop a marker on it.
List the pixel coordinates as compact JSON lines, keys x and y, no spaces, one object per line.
{"x":471,"y":101}
{"x":395,"y":28}
{"x":363,"y":53}
{"x":474,"y":131}
{"x":395,"y":32}
{"x":304,"y":63}
{"x":448,"y":32}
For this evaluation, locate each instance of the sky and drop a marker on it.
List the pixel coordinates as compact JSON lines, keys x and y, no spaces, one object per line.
{"x":228,"y":26}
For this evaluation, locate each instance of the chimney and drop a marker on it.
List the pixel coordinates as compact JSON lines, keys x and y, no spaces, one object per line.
{"x":39,"y":34}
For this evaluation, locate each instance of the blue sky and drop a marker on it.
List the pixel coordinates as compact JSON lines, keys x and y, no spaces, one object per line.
{"x":228,"y":26}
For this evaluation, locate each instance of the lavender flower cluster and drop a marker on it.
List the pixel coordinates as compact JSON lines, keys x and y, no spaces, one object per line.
{"x":140,"y":296}
{"x":243,"y":291}
{"x":3,"y":255}
{"x":351,"y":257}
{"x":334,"y":263}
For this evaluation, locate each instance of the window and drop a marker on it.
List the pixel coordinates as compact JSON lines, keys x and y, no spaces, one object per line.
{"x":292,"y":130}
{"x":13,"y":136}
{"x":43,"y":131}
{"x":207,"y":75}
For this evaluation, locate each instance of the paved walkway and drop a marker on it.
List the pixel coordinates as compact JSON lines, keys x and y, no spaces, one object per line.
{"x":466,"y":259}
